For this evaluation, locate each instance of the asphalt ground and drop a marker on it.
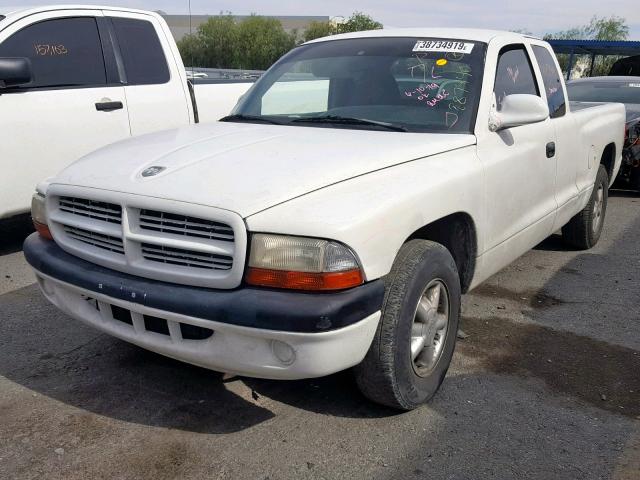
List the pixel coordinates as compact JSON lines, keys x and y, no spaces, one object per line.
{"x":545,"y":386}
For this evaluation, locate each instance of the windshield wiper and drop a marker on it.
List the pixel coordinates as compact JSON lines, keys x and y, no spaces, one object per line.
{"x":239,"y":117}
{"x":350,"y":121}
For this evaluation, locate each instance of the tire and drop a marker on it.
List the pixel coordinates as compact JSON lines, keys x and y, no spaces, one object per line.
{"x":389,"y":375}
{"x":583,"y":231}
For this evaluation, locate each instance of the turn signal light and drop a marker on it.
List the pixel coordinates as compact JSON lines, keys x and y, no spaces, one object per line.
{"x":43,"y":230}
{"x":39,"y":216}
{"x":301,"y":263}
{"x":303,"y":280}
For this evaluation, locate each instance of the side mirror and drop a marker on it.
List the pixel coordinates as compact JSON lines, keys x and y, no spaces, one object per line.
{"x":519,"y":109}
{"x":15,"y":72}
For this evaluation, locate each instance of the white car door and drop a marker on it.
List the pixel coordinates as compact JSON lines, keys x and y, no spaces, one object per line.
{"x":155,"y":86}
{"x":567,"y":135}
{"x":519,"y":165}
{"x":74,"y":104}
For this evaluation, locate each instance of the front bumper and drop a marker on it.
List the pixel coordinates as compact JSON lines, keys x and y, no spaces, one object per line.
{"x":252,"y":332}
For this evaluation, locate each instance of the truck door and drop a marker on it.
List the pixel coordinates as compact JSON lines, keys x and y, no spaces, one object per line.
{"x":519,"y":163}
{"x":72,"y":107}
{"x":567,"y":138}
{"x":156,"y":88}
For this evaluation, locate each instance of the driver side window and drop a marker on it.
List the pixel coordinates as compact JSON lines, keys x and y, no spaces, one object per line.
{"x":64,"y":52}
{"x":514,"y":74}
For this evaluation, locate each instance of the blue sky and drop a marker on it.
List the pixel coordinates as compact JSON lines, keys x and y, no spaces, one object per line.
{"x":539,"y":17}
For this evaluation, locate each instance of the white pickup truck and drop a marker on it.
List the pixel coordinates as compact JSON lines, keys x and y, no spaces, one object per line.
{"x":73,"y":79}
{"x":338,"y":226}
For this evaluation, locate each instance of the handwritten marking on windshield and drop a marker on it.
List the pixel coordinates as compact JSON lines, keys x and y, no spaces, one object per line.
{"x":44,"y":50}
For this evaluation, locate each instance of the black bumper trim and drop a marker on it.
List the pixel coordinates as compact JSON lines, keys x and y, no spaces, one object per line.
{"x":246,"y":306}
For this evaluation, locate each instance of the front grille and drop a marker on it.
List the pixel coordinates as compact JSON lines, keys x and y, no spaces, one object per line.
{"x":106,"y":212}
{"x":98,"y":240}
{"x":185,"y":258}
{"x":184,"y":225}
{"x":150,"y":237}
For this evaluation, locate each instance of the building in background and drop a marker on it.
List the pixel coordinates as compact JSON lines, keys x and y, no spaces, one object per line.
{"x":179,"y":24}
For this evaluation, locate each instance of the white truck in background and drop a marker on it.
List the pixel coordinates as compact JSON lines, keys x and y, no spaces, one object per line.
{"x":76,"y":78}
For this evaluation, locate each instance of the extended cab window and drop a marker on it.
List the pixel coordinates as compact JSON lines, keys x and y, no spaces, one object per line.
{"x":552,"y":82}
{"x":514,"y":74}
{"x":142,"y":52}
{"x":64,"y":52}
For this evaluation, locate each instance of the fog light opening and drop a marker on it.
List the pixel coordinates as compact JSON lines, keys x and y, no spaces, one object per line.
{"x":283,"y":352}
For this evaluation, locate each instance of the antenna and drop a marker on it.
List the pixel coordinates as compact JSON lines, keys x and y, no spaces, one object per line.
{"x":191,"y":36}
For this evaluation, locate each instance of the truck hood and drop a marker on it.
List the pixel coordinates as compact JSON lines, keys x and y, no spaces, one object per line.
{"x":247,"y":168}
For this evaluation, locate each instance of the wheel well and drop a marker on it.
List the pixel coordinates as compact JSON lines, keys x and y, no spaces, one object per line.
{"x":608,"y":159}
{"x":457,"y":233}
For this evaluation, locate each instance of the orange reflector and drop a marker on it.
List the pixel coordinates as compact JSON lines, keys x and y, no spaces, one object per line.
{"x":302,"y":280}
{"x":43,"y":230}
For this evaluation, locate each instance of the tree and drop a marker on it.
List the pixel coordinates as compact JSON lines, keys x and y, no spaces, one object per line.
{"x":318,"y":30}
{"x":357,"y":22}
{"x":221,"y":42}
{"x":260,"y":42}
{"x":599,"y":28}
{"x":218,"y":37}
{"x":612,"y":28}
{"x":191,"y":50}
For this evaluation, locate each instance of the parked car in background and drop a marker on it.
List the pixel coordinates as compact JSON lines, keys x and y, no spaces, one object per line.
{"x":73,"y":79}
{"x":626,"y":67}
{"x":624,"y":90}
{"x":337,"y":226}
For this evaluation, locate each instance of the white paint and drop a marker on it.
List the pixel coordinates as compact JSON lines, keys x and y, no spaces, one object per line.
{"x":232,"y":349}
{"x":43,"y":131}
{"x":372,"y":189}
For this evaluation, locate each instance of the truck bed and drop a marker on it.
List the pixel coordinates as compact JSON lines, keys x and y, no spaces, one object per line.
{"x":216,"y":98}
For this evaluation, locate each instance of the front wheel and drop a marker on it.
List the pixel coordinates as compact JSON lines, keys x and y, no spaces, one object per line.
{"x":583,"y":231}
{"x":413,"y":346}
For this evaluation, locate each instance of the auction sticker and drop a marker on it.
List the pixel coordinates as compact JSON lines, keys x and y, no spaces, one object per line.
{"x":442,"y":46}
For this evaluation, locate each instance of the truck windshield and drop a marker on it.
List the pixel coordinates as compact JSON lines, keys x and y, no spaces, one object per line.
{"x":395,"y":84}
{"x":605,"y":91}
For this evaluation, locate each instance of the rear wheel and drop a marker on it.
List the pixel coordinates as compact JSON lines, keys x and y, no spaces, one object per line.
{"x":583,"y":231}
{"x":412,"y":349}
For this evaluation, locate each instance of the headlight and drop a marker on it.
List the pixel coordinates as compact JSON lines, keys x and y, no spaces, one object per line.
{"x":39,"y":215}
{"x":301,"y":263}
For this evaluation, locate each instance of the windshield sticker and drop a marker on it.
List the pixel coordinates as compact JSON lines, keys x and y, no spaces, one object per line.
{"x":441,"y":62}
{"x":634,"y":85}
{"x":442,"y":46}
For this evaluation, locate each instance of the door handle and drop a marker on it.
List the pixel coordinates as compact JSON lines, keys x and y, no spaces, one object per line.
{"x":108,"y":106}
{"x":551,"y":149}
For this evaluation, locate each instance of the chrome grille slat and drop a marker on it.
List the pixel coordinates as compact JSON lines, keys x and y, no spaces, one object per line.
{"x":98,"y":240}
{"x":107,"y":212}
{"x":187,"y":258}
{"x":185,"y":225}
{"x":182,"y":230}
{"x":187,"y":253}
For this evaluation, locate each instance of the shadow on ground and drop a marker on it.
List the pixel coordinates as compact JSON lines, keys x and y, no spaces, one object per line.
{"x":13,"y":233}
{"x":596,"y":372}
{"x":63,"y":359}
